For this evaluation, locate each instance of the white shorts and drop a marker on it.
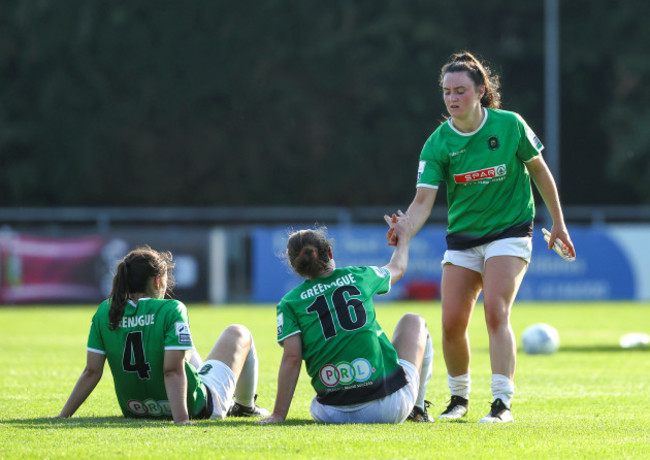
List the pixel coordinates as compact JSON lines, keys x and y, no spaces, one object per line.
{"x":474,"y":258}
{"x":220,"y":382}
{"x":393,"y":408}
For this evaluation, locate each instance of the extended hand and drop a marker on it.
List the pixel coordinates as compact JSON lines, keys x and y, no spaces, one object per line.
{"x":185,"y":422}
{"x":391,"y":236}
{"x":271,"y":419}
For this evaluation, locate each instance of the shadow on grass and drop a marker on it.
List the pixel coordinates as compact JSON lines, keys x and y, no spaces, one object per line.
{"x":129,"y":423}
{"x":587,"y":349}
{"x":601,"y":349}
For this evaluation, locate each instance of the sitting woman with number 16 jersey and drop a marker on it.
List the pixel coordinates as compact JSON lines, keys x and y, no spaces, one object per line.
{"x":329,"y":321}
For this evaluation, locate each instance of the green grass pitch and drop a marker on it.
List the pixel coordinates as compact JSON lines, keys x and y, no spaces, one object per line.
{"x":589,"y":400}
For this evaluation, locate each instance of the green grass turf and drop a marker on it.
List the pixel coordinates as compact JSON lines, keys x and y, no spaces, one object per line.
{"x":589,"y":400}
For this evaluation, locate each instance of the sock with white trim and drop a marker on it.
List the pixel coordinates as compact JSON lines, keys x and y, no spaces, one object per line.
{"x":461,"y":385}
{"x":502,"y":388}
{"x":425,"y":373}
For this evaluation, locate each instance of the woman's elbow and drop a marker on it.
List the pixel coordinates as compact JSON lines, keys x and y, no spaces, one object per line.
{"x":396,"y":276}
{"x":172,"y":372}
{"x":92,"y":373}
{"x":397,"y":271}
{"x":292,"y":359}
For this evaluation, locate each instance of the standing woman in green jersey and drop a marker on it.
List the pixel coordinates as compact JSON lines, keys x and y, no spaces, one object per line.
{"x":156,"y":370}
{"x":486,"y":157}
{"x":329,"y":321}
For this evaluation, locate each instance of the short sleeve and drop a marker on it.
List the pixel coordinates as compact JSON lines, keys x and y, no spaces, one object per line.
{"x":381,"y":277}
{"x":95,"y":342}
{"x":177,"y":329}
{"x":287,"y":322}
{"x":529,"y":144}
{"x":431,"y":173}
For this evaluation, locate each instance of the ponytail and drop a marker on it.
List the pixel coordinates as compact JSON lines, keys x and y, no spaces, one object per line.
{"x":306,"y":262}
{"x":133,"y":276}
{"x":119,"y":295}
{"x":308,"y":252}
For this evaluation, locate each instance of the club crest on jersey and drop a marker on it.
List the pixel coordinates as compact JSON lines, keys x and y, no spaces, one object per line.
{"x":493,"y":142}
{"x":480,"y":175}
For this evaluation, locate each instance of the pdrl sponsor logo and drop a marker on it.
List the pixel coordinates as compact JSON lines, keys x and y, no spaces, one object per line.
{"x":149,"y":407}
{"x":482,"y":174}
{"x":345,"y":373}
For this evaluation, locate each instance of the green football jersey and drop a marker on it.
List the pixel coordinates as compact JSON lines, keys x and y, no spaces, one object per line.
{"x":347,"y":355}
{"x":488,"y":185}
{"x":135,"y":352}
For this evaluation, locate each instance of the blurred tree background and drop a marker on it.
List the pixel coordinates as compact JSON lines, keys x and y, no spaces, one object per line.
{"x":276,"y":102}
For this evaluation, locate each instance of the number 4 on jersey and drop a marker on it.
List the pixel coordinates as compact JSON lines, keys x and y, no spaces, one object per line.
{"x":133,"y":359}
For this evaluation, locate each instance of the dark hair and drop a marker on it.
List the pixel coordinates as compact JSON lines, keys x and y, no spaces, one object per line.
{"x":480,"y":74}
{"x":133,"y":274}
{"x":308,"y":251}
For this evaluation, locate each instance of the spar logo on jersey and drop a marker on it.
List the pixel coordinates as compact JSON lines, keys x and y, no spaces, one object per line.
{"x":480,"y":175}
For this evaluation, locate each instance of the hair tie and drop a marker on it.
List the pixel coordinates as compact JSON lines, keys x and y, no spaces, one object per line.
{"x":302,"y":251}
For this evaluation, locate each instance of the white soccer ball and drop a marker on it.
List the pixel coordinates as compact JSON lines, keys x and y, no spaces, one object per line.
{"x":540,"y":339}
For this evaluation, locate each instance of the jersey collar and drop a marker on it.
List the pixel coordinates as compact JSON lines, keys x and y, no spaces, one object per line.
{"x":132,"y":306}
{"x":460,"y":133}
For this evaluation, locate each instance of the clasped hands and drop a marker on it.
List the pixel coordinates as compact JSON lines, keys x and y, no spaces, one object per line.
{"x":399,"y":227}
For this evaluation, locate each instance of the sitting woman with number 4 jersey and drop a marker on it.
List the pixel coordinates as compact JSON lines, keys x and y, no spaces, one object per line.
{"x":329,"y":321}
{"x":156,"y":369}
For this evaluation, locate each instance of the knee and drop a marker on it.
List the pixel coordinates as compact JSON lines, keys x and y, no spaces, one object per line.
{"x":413,"y":322}
{"x":411,"y":326}
{"x":454,"y":327}
{"x":238,"y":329}
{"x":414,"y":318}
{"x":496,"y":319}
{"x":239,"y":334}
{"x":453,"y":330}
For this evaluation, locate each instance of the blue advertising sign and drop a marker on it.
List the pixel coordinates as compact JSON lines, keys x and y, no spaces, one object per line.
{"x":353,"y":245}
{"x":602,"y":270}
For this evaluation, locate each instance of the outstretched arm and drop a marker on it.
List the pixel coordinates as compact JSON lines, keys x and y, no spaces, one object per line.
{"x":176,"y":385}
{"x":400,"y":224}
{"x":287,"y":378}
{"x":546,"y":186}
{"x":418,"y":213}
{"x":86,"y":383}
